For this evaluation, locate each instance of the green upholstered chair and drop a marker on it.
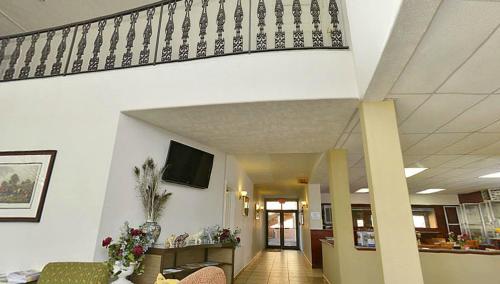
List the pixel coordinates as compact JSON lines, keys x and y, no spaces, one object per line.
{"x":74,"y":272}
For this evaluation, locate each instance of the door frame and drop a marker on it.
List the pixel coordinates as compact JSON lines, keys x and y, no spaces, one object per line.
{"x":282,"y":229}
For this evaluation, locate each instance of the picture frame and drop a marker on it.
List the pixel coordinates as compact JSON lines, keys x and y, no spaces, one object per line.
{"x":24,"y":181}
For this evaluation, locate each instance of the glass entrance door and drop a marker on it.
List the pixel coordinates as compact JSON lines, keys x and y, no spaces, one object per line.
{"x":273,"y":229}
{"x":282,"y":229}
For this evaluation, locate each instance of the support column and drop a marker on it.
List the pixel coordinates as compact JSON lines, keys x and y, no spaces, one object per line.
{"x":338,"y":174}
{"x":395,"y":234}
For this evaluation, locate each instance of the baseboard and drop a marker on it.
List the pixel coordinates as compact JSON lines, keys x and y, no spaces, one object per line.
{"x":250,"y":262}
{"x":307,"y":259}
{"x":326,"y":279}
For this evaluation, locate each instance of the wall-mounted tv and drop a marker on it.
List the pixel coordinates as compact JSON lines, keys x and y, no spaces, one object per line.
{"x":188,"y":166}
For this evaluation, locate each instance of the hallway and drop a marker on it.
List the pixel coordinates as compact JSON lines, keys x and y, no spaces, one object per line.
{"x":280,"y":267}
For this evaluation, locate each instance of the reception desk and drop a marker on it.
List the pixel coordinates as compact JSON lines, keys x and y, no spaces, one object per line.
{"x":438,"y":265}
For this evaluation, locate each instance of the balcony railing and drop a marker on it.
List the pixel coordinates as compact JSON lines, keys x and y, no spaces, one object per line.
{"x":170,"y":31}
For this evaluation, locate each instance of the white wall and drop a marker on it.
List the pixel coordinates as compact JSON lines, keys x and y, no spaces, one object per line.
{"x":78,"y":116}
{"x":238,"y":180}
{"x":187,"y":210}
{"x":370,"y":25}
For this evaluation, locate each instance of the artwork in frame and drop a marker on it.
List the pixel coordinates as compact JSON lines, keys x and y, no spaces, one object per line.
{"x":24,"y":181}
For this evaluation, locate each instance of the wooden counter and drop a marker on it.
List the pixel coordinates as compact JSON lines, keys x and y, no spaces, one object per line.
{"x":433,"y":250}
{"x":316,"y":251}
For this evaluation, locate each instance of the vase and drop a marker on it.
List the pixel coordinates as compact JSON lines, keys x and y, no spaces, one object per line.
{"x":152,"y":230}
{"x":124,"y":272}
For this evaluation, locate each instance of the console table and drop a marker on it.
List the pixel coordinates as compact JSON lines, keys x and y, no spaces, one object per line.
{"x":188,"y":259}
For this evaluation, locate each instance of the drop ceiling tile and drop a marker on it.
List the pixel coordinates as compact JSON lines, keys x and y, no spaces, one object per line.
{"x":356,"y":173}
{"x":472,"y":143}
{"x":462,"y":161}
{"x":490,"y":162}
{"x":492,"y":149}
{"x":411,"y":159}
{"x":359,"y":164}
{"x":434,"y":143}
{"x":458,"y":28}
{"x":494,"y":127}
{"x":436,"y":111}
{"x":428,"y":174}
{"x":435,"y":161}
{"x":408,"y":140}
{"x":354,"y":144}
{"x":353,"y":122}
{"x":480,"y":74}
{"x":481,"y":115}
{"x":342,"y":140}
{"x":406,"y":104}
{"x":352,"y":159}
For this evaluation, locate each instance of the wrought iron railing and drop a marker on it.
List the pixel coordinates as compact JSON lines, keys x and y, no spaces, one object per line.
{"x":163,"y":32}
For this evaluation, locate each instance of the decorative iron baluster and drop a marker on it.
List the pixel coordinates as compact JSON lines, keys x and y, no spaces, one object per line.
{"x":166,"y":54}
{"x":186,"y":26}
{"x":221,"y":19}
{"x":56,"y":67}
{"x":279,"y":36}
{"x":77,"y":64}
{"x":148,"y":31}
{"x":127,"y":56}
{"x":9,"y":73}
{"x":94,"y":61}
{"x":261,"y":35}
{"x":238,"y":19}
{"x":201,"y":50}
{"x":317,"y":33}
{"x":336,"y":33}
{"x":110,"y":59}
{"x":25,"y":71}
{"x":40,"y":69}
{"x":298,"y":34}
{"x":3,"y":45}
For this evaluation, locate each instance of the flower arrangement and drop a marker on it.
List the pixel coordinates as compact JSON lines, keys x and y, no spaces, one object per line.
{"x":128,"y":250}
{"x":147,"y":183}
{"x":461,"y":239}
{"x":225,"y":236}
{"x":452,"y":237}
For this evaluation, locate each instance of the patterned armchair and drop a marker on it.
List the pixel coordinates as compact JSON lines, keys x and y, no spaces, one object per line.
{"x":74,"y":272}
{"x":207,"y":275}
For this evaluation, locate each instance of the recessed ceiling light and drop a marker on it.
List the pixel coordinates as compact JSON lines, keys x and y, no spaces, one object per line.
{"x":430,"y":190}
{"x":413,"y":171}
{"x":363,"y":190}
{"x":492,"y":175}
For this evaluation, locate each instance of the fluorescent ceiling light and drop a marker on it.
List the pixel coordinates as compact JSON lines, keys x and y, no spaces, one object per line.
{"x":363,"y":190}
{"x":413,"y":171}
{"x":430,"y":190}
{"x":492,"y":175}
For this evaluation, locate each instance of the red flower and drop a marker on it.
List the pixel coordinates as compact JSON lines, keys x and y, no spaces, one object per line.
{"x":106,"y":241}
{"x":138,"y":251}
{"x":135,"y":232}
{"x":238,"y":239}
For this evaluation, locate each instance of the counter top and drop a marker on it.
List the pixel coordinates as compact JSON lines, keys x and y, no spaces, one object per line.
{"x":433,"y":250}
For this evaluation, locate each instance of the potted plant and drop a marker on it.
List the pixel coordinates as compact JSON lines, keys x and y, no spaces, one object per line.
{"x":125,"y":256}
{"x":148,"y":179}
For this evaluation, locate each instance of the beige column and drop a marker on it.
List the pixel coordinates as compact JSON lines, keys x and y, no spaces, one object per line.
{"x":341,"y":217}
{"x":395,"y":234}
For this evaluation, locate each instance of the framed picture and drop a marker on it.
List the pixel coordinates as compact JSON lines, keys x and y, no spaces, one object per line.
{"x":24,"y":180}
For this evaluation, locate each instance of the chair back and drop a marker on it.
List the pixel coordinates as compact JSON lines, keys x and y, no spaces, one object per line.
{"x":74,"y":272}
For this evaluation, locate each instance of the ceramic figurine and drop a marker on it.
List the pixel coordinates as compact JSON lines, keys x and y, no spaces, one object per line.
{"x":196,"y":238}
{"x":180,"y":241}
{"x":170,"y":242}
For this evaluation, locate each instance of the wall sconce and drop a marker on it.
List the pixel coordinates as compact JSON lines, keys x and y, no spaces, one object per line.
{"x":304,"y":205}
{"x":258,"y":209}
{"x":246,"y":202}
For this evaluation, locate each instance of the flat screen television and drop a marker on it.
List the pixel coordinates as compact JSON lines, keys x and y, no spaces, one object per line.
{"x":188,"y":166}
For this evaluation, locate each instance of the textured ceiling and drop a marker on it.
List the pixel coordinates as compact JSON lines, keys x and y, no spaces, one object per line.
{"x":275,"y":142}
{"x":28,"y":15}
{"x":258,"y":128}
{"x":447,"y":96}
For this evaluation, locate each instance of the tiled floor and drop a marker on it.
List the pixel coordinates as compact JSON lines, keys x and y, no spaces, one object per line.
{"x":280,"y":267}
